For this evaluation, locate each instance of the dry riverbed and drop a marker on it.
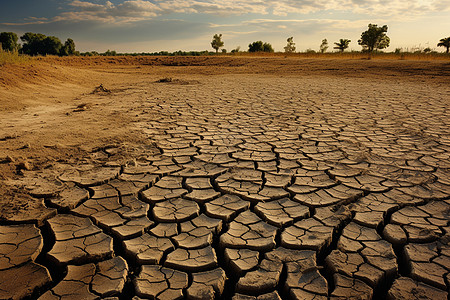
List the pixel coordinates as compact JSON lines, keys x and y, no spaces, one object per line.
{"x":205,"y":177}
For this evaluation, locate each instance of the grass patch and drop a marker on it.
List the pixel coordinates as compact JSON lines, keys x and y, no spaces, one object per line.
{"x":7,"y":57}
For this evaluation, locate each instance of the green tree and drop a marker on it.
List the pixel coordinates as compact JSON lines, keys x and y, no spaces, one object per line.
{"x":8,"y":41}
{"x":374,"y":38}
{"x":256,"y":47}
{"x":445,"y":42}
{"x":68,"y":48}
{"x":52,"y":45}
{"x":324,"y":46}
{"x":217,"y":42}
{"x":259,"y":46}
{"x":290,"y":47}
{"x":267,"y":47}
{"x":342,"y":45}
{"x":33,"y":43}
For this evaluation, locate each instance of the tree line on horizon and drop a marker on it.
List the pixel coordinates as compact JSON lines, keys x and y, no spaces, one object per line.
{"x":373,"y":39}
{"x":36,"y":44}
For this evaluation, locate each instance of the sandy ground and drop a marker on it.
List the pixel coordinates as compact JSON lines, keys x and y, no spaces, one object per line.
{"x":50,"y":111}
{"x":52,"y":116}
{"x":51,"y":102}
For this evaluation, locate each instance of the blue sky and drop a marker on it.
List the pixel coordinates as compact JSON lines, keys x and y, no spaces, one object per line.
{"x":155,"y":25}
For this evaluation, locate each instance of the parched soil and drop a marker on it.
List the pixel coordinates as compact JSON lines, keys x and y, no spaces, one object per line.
{"x":224,"y":177}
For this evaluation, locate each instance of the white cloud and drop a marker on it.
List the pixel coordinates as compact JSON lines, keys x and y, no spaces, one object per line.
{"x":130,"y":11}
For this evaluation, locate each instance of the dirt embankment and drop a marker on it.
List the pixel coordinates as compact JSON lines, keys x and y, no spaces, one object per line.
{"x":435,"y":70}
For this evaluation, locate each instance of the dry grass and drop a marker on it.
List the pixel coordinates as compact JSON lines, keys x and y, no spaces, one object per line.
{"x":7,"y":57}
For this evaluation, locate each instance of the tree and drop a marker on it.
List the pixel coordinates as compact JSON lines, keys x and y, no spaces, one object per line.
{"x":68,"y":48}
{"x":290,"y":47}
{"x":445,"y":42}
{"x":217,"y":42}
{"x":374,"y":38}
{"x":39,"y":44}
{"x":324,"y":46}
{"x":52,"y":45}
{"x":8,"y":41}
{"x":256,"y":47}
{"x":259,"y":46}
{"x":33,"y":43}
{"x":267,"y":47}
{"x":342,"y":45}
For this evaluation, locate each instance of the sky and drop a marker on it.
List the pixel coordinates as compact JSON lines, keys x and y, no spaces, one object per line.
{"x":171,"y":25}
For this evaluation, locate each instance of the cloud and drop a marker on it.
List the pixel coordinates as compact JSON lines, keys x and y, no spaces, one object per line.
{"x":130,"y":11}
{"x":127,"y":11}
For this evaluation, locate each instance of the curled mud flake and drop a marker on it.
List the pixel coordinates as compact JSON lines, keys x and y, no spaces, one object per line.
{"x":207,"y":285}
{"x":428,"y":263}
{"x":158,"y":282}
{"x":315,"y":179}
{"x":69,"y":197}
{"x":422,"y":223}
{"x":274,"y":179}
{"x":198,"y":233}
{"x":299,"y":294}
{"x":103,"y":211}
{"x":22,"y":208}
{"x":395,"y":234}
{"x":75,"y":285}
{"x":145,"y":178}
{"x":37,"y":186}
{"x":192,"y":260}
{"x":175,"y":210}
{"x":132,"y":228}
{"x":368,"y":183}
{"x":307,"y":234}
{"x":165,"y":189}
{"x":20,"y":276}
{"x":199,"y":183}
{"x":364,"y":255}
{"x":241,"y":260}
{"x":19,"y":244}
{"x":269,"y":296}
{"x":104,"y":191}
{"x":333,"y":216}
{"x":427,"y":192}
{"x":371,"y":210}
{"x":200,"y":169}
{"x":308,"y":280}
{"x":249,"y":231}
{"x":404,"y":288}
{"x":22,"y":281}
{"x":78,"y":241}
{"x":327,"y":197}
{"x":281,"y":212}
{"x":90,"y":176}
{"x":349,"y":288}
{"x":147,"y":249}
{"x":202,"y":196}
{"x":165,"y":230}
{"x":262,"y":280}
{"x":226,"y":207}
{"x":132,"y":207}
{"x":110,"y":277}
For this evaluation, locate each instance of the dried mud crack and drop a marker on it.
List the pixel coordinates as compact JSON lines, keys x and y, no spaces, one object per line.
{"x":259,"y":191}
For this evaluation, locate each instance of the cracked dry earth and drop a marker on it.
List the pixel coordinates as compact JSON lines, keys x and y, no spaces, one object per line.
{"x":251,"y":188}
